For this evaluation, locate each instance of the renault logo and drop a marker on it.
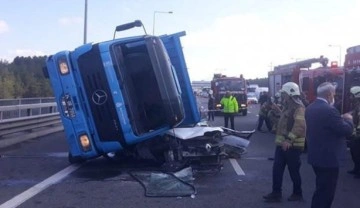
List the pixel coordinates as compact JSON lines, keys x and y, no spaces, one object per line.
{"x":99,"y":97}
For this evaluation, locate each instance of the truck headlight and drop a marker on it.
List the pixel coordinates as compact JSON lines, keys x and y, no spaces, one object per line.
{"x":218,"y":105}
{"x":63,"y":67}
{"x":85,"y":142}
{"x":243,"y":105}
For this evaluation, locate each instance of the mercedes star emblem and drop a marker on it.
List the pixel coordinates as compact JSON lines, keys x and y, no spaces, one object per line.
{"x":99,"y":97}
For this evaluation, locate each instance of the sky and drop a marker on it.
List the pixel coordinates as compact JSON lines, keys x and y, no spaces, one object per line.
{"x":231,"y":37}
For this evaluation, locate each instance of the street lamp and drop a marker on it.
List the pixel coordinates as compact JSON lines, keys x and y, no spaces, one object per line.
{"x":155,"y":12}
{"x":271,"y":66}
{"x":338,"y":46}
{"x":85,"y":22}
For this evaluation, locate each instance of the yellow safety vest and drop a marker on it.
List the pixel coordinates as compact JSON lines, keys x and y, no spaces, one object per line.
{"x":230,"y":104}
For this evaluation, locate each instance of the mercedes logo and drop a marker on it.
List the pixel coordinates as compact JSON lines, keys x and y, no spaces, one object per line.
{"x":99,"y":97}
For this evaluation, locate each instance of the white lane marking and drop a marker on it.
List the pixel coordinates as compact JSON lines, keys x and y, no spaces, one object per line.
{"x":236,"y":166}
{"x":24,"y":196}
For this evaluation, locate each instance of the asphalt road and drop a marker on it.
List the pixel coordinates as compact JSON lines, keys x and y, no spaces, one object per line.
{"x":99,"y":183}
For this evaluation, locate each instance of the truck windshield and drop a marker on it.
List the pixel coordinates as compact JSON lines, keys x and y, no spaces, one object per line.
{"x":230,"y":85}
{"x":147,"y":83}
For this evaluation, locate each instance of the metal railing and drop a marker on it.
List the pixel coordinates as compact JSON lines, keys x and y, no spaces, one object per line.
{"x":27,"y":107}
{"x":32,"y":117}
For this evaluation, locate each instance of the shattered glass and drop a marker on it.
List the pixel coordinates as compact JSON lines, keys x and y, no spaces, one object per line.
{"x":159,"y":184}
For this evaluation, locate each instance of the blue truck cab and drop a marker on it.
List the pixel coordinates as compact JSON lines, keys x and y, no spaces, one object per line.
{"x":114,"y":94}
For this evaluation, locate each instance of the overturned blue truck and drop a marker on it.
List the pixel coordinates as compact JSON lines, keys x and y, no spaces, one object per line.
{"x":132,"y":96}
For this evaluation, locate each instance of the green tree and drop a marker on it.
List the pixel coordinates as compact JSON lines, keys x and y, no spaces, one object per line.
{"x":7,"y":83}
{"x":24,"y":78}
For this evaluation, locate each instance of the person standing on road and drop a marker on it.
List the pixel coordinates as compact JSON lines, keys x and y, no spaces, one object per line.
{"x":263,"y":115}
{"x":325,"y":136}
{"x":211,"y":106}
{"x":289,"y":139}
{"x":275,"y":112}
{"x":263,"y":97}
{"x":354,"y":143}
{"x":230,"y":107}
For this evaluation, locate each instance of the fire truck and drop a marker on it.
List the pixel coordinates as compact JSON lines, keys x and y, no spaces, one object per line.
{"x":290,"y":73}
{"x":235,"y":85}
{"x":342,"y":77}
{"x":309,"y":81}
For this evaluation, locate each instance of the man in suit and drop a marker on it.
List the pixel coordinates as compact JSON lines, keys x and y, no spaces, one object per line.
{"x":325,"y":136}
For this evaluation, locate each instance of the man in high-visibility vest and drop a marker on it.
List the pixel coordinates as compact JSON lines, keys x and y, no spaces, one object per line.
{"x":230,"y":108}
{"x":290,"y":140}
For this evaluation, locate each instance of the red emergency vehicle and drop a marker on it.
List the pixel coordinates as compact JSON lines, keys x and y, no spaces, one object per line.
{"x":343,"y":77}
{"x":235,"y":85}
{"x":290,"y":73}
{"x":309,"y":81}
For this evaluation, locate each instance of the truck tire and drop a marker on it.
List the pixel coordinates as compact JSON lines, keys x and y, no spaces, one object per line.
{"x":74,"y":160}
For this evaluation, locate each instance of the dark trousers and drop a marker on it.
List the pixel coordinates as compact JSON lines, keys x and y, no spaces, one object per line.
{"x":211,"y":115}
{"x":291,"y":158}
{"x":355,"y":154}
{"x":261,"y":122}
{"x":326,"y":179}
{"x":228,"y":116}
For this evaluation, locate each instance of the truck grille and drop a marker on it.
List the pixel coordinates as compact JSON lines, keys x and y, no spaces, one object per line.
{"x":99,"y":96}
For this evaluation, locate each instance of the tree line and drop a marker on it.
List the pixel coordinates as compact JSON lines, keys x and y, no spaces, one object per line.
{"x":24,"y":78}
{"x":262,"y":82}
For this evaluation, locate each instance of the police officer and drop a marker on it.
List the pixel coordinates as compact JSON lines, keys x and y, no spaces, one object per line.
{"x":289,"y":139}
{"x":355,"y":138}
{"x":231,"y":107}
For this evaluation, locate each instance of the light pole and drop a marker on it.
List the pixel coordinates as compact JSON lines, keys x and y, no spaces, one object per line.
{"x":85,"y":22}
{"x":155,"y":12}
{"x":338,"y":46}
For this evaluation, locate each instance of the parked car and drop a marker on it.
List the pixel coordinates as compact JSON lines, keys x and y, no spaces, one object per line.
{"x":251,"y":98}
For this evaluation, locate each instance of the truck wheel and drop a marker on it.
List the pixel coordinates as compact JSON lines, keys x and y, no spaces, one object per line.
{"x":74,"y":160}
{"x":244,"y":113}
{"x":111,"y":156}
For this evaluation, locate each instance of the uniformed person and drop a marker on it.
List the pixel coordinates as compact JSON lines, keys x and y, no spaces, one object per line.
{"x":289,"y":139}
{"x":263,"y":115}
{"x":355,"y":138}
{"x":274,"y":113}
{"x":230,"y":108}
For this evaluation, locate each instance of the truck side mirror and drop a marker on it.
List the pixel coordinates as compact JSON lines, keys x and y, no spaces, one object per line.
{"x":136,"y":23}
